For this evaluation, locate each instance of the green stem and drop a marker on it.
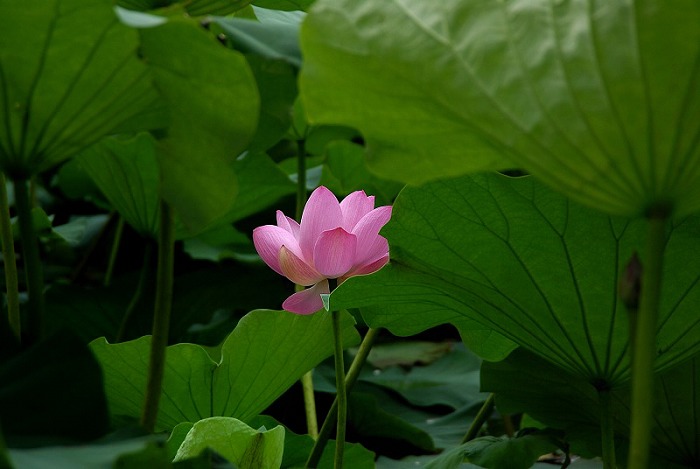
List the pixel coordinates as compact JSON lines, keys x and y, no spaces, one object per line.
{"x":644,"y":345}
{"x":307,"y":381}
{"x":481,"y":417}
{"x":341,"y":392}
{"x":9,"y":262}
{"x":114,"y":251}
{"x":140,"y":286}
{"x":607,"y":429}
{"x":161,"y":317}
{"x":350,"y":380}
{"x":32,"y":262}
{"x":307,"y":385}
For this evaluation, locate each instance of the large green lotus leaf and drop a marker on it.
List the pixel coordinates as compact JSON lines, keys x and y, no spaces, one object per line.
{"x":526,"y":383}
{"x":235,"y":441}
{"x":532,"y":266}
{"x":69,"y":75}
{"x":264,"y":355}
{"x":277,"y":83}
{"x":600,"y":99}
{"x":126,"y":172}
{"x":213,"y":103}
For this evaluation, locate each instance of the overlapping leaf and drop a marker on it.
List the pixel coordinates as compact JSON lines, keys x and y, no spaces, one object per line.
{"x":266,"y":353}
{"x":600,"y":99}
{"x":213,"y":106}
{"x":69,"y":75}
{"x":530,"y":265}
{"x":126,"y":171}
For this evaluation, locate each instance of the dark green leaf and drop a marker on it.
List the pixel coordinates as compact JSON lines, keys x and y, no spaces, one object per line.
{"x":192,"y":7}
{"x":285,"y":5}
{"x":530,"y":265}
{"x":126,"y":172}
{"x":52,"y":393}
{"x":491,"y":452}
{"x":70,"y":75}
{"x":526,"y":383}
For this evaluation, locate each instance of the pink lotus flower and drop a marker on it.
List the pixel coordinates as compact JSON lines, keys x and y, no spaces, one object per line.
{"x":333,"y":241}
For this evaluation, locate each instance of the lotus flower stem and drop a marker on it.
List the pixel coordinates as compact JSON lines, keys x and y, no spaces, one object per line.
{"x":114,"y":251}
{"x":350,"y":380}
{"x":644,"y":344}
{"x":161,"y":317}
{"x":9,"y":262}
{"x":481,"y":417}
{"x":307,"y":381}
{"x":32,"y":262}
{"x":607,"y":429}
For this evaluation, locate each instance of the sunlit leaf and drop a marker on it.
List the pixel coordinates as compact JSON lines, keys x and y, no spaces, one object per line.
{"x":69,"y":75}
{"x":530,"y":265}
{"x":599,"y":100}
{"x":235,"y":441}
{"x":266,"y":353}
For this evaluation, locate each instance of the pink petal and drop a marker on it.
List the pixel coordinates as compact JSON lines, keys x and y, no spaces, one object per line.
{"x":334,"y":253}
{"x":368,"y":268}
{"x":321,"y":213}
{"x":367,"y":231}
{"x":307,"y":301}
{"x":288,"y":224}
{"x":354,"y":207}
{"x":269,"y":239}
{"x":296,"y":270}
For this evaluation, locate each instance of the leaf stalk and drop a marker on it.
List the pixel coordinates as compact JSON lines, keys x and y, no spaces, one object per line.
{"x":644,"y":344}
{"x":161,"y":317}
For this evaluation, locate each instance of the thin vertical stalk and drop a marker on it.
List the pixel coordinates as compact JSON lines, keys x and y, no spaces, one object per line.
{"x":138,"y":293}
{"x":350,"y":379}
{"x":161,"y":317}
{"x":307,"y":381}
{"x":341,"y":394}
{"x":607,"y":429}
{"x":481,"y":417}
{"x":32,"y":262}
{"x":10,"y":262}
{"x":644,"y":351}
{"x":114,"y":251}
